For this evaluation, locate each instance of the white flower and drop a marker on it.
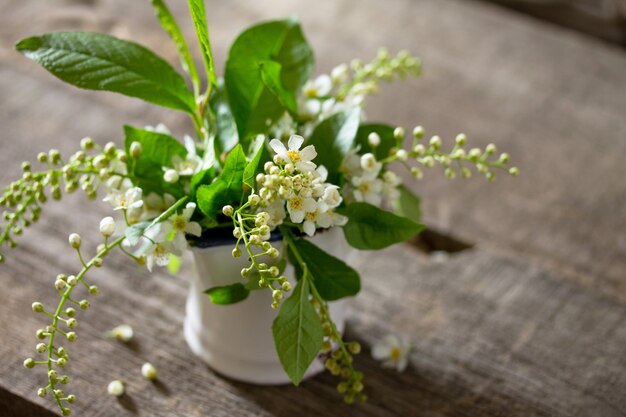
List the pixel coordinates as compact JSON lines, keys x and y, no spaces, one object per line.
{"x":331,"y":198}
{"x":322,"y":218}
{"x":276,"y":212}
{"x":309,"y":109}
{"x":339,"y":74}
{"x":154,"y":205}
{"x":107,"y":226}
{"x":297,"y":206}
{"x":329,"y":218}
{"x":390,"y":186}
{"x":368,"y":190}
{"x":125,"y":200}
{"x":192,"y":162}
{"x":393,"y":351}
{"x":159,"y":253}
{"x":351,"y":164}
{"x":373,"y":139}
{"x":181,"y":224}
{"x":370,"y":165}
{"x":319,"y":87}
{"x":300,"y":158}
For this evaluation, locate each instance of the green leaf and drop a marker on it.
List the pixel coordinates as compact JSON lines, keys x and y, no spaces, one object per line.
{"x":157,"y":151}
{"x":134,"y":232}
{"x":251,"y":101}
{"x":252,"y":168}
{"x":387,"y":141}
{"x":408,"y":205}
{"x":227,"y":188}
{"x":270,"y":75}
{"x":198,"y":15}
{"x":332,"y":277}
{"x":369,"y":227}
{"x":203,"y":177}
{"x":297,"y":333}
{"x":228,"y":294}
{"x":168,"y":22}
{"x":333,"y":138}
{"x":226,"y":136}
{"x":95,"y":61}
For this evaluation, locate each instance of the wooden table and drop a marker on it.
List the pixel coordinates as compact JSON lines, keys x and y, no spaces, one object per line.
{"x":529,"y":322}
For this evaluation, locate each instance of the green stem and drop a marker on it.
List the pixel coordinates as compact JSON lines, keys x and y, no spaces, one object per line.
{"x":64,"y":298}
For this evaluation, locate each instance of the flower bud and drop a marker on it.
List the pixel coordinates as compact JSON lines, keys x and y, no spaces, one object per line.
{"x":41,"y":347}
{"x":71,"y":398}
{"x":514,"y":171}
{"x":435,"y":142}
{"x":236,"y":253}
{"x":461,"y":139}
{"x":29,"y":363}
{"x":116,"y":388}
{"x":37,"y":307}
{"x":286,"y":286}
{"x":373,"y":139}
{"x":171,"y":176}
{"x":41,"y":392}
{"x":402,"y":154}
{"x":123,"y":333}
{"x":135,"y":150}
{"x":254,"y":199}
{"x":97,"y":262}
{"x":490,"y":149}
{"x":228,"y":211}
{"x":61,"y":362}
{"x":72,"y":281}
{"x":149,"y":371}
{"x":84,"y":304}
{"x":71,"y":336}
{"x":74,"y":240}
{"x":418,"y":132}
{"x":42,"y":157}
{"x":86,"y":144}
{"x":93,"y":290}
{"x":70,"y":312}
{"x":72,"y":323}
{"x":398,"y":133}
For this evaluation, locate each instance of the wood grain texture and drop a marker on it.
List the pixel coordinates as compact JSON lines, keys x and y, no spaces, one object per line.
{"x":528,"y":323}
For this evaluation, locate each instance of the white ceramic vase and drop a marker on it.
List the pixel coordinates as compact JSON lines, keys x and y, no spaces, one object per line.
{"x":236,"y":340}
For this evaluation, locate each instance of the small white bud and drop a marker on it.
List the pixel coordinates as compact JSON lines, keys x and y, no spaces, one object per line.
{"x":461,"y":139}
{"x":254,"y":199}
{"x":41,"y":347}
{"x":418,"y":132}
{"x":116,"y":388}
{"x":435,"y":142}
{"x":149,"y":371}
{"x":72,"y":323}
{"x":74,"y":240}
{"x":514,"y":171}
{"x":71,"y":336}
{"x":228,"y":211}
{"x":171,"y":176}
{"x":29,"y":363}
{"x":72,"y":281}
{"x":41,"y":392}
{"x":37,"y":307}
{"x":107,"y":226}
{"x":402,"y":154}
{"x":236,"y":253}
{"x":373,"y":139}
{"x":398,"y":133}
{"x":490,"y":149}
{"x":123,"y":333}
{"x":135,"y":150}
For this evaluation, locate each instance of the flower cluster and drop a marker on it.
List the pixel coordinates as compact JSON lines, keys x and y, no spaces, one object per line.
{"x":367,"y":181}
{"x":85,"y":169}
{"x":294,"y":182}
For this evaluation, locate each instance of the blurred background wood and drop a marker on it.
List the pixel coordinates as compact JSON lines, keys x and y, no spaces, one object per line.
{"x":527,"y":321}
{"x":605,"y":19}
